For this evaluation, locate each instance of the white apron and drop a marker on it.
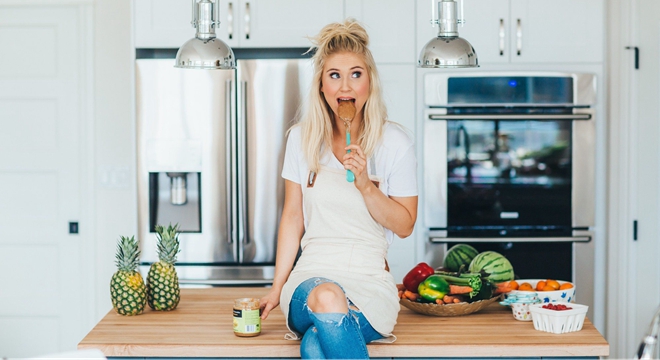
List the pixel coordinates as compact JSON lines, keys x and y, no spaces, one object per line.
{"x":345,"y":244}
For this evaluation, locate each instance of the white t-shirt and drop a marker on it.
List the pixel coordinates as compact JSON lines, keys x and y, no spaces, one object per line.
{"x":394,"y":157}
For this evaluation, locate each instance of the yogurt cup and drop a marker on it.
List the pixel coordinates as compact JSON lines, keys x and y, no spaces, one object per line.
{"x":519,"y":304}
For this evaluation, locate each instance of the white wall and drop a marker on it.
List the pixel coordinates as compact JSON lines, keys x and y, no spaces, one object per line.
{"x":114,"y":145}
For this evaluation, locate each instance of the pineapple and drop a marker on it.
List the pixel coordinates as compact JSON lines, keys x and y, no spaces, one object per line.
{"x":162,"y":281}
{"x":129,"y":294}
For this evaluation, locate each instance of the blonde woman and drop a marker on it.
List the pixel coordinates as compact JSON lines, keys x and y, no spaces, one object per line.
{"x":340,"y":295}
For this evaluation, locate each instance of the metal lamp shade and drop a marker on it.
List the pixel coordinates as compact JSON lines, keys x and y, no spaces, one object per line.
{"x":205,"y":54}
{"x":448,"y":52}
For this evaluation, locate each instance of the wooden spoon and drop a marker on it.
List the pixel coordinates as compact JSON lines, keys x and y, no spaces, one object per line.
{"x":346,"y":112}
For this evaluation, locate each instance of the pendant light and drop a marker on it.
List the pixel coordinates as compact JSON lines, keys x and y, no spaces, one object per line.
{"x":205,"y":50}
{"x":447,"y":50}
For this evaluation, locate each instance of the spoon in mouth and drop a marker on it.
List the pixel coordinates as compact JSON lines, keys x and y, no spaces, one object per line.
{"x":346,"y":112}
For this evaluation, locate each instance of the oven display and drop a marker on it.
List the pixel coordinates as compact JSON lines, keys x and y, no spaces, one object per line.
{"x":510,"y":90}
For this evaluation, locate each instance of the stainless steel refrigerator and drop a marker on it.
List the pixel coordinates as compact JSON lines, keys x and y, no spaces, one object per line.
{"x":210,"y":148}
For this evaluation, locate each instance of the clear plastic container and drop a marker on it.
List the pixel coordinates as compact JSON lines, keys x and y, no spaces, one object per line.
{"x":558,"y":321}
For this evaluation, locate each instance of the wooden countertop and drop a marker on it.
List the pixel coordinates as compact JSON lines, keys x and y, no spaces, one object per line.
{"x":202,"y":327}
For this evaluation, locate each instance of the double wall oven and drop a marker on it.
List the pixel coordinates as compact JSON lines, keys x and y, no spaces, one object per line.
{"x":509,"y":166}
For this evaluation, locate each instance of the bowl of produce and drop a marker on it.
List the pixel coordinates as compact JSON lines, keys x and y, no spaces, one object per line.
{"x":468,"y":282}
{"x":558,"y":318}
{"x":548,"y":290}
{"x":444,"y":293}
{"x":452,"y":309}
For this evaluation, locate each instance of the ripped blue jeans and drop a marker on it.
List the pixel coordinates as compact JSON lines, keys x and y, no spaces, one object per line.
{"x":329,"y":335}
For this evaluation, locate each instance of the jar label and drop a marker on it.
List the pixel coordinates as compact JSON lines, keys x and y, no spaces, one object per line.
{"x":247,"y":321}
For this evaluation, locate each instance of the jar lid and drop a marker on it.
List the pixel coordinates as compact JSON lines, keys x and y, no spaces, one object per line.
{"x":522,"y":297}
{"x":246,"y":303}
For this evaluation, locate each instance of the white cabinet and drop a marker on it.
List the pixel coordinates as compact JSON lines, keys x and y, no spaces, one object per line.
{"x":282,"y":23}
{"x":527,"y":31}
{"x":243,"y":23}
{"x":391,"y":28}
{"x":162,"y":23}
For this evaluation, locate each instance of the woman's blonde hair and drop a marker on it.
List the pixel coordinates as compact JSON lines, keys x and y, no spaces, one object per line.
{"x":317,"y":118}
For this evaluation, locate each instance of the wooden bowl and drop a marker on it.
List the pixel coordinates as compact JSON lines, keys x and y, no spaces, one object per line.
{"x":457,"y":309}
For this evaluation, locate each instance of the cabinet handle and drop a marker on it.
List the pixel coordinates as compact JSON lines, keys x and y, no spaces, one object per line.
{"x":247,"y":20}
{"x":230,"y":21}
{"x":519,"y":37}
{"x":502,"y":35}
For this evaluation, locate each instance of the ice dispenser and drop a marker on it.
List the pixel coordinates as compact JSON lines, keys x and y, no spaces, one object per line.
{"x":174,"y":197}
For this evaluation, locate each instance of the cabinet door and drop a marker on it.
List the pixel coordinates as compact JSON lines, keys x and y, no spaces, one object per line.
{"x":229,"y":22}
{"x":390,"y":25}
{"x":557,"y":31}
{"x":425,"y":32}
{"x":162,"y":23}
{"x":284,"y":23}
{"x":486,"y":26}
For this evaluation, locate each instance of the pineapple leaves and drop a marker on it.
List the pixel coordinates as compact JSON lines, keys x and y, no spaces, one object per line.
{"x":128,"y":254}
{"x":167,"y":243}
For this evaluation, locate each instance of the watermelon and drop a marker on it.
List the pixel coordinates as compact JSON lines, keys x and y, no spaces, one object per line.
{"x":495,"y":266}
{"x":459,"y":254}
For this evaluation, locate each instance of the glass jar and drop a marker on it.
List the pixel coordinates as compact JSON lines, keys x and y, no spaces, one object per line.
{"x":247,"y":321}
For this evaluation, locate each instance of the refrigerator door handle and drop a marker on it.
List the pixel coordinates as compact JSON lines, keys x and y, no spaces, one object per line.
{"x":242,"y":178}
{"x":228,"y":156}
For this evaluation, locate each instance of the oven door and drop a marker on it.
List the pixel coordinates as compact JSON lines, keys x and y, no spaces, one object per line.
{"x":509,"y":175}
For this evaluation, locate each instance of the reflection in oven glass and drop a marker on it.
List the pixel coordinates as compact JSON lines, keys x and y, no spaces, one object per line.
{"x":499,"y":172}
{"x":515,"y":152}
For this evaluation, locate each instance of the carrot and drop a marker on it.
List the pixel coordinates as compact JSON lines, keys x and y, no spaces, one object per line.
{"x":457,"y":289}
{"x":439,"y":301}
{"x":400,"y":287}
{"x":410,"y":295}
{"x":502,"y":287}
{"x":452,"y":299}
{"x":400,"y":294}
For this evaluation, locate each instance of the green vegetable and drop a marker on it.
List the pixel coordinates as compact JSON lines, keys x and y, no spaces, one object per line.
{"x":466,"y":279}
{"x":493,"y":266}
{"x":460,"y":255}
{"x":434,"y":287}
{"x":485,"y":293}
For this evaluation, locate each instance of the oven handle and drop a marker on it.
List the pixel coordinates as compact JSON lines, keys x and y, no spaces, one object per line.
{"x":434,"y":238}
{"x":511,"y":117}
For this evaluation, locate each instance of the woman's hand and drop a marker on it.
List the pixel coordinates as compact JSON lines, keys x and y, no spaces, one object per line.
{"x":395,"y":213}
{"x":356,"y":162}
{"x":269,"y":302}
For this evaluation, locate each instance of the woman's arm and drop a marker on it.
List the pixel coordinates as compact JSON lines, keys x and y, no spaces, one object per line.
{"x":395,"y":213}
{"x":290,"y":232}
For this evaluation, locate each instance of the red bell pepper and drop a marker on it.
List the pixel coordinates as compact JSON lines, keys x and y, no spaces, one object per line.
{"x":417,"y":275}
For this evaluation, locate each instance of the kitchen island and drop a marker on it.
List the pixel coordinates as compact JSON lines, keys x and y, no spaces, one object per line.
{"x":201,"y":327}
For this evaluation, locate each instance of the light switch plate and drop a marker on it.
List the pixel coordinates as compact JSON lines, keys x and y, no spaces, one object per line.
{"x":114,"y":177}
